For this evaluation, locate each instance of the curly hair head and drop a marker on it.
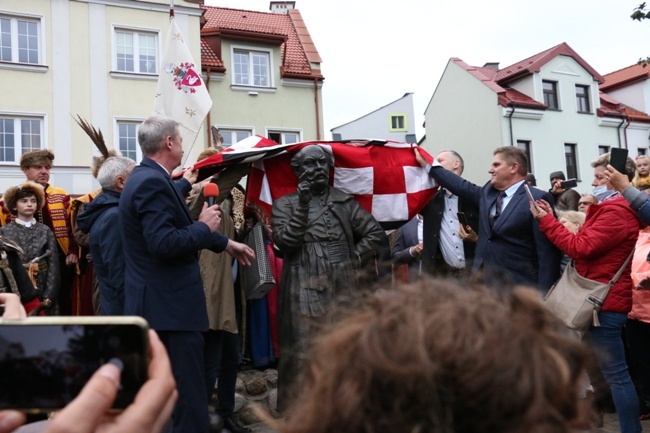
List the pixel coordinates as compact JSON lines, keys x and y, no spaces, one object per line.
{"x":439,"y":357}
{"x":27,"y":189}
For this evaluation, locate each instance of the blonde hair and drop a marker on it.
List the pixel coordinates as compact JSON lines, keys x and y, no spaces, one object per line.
{"x":573,"y":216}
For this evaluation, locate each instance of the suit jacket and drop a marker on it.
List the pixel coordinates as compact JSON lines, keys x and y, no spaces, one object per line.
{"x":162,"y":277}
{"x":513,"y":245}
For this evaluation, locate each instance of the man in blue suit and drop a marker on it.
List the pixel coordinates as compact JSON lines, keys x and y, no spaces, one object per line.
{"x":162,"y":277}
{"x":510,"y":248}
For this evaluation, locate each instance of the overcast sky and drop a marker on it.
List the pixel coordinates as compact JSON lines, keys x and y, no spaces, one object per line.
{"x":374,"y":51}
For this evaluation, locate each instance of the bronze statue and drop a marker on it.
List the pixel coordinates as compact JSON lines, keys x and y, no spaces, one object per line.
{"x":325,"y":237}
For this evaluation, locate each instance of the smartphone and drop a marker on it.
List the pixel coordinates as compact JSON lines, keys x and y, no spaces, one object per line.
{"x":46,"y":361}
{"x":462,"y":219}
{"x":569,"y":183}
{"x":618,"y":159}
{"x":530,"y":195}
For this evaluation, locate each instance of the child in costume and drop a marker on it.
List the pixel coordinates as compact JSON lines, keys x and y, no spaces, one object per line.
{"x":40,"y":254}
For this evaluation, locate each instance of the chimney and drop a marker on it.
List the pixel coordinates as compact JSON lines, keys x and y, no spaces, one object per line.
{"x":492,"y":65}
{"x":282,"y":7}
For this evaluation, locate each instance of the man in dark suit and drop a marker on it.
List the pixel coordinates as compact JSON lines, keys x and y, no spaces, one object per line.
{"x":162,"y":277}
{"x":510,"y":244}
{"x":432,"y":244}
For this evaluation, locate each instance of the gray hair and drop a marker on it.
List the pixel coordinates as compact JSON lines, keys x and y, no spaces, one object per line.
{"x":630,"y":165}
{"x":112,"y":168}
{"x":153,"y":131}
{"x":457,"y":156}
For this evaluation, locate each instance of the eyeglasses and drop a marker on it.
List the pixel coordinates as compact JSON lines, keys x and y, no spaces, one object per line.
{"x":585,"y":203}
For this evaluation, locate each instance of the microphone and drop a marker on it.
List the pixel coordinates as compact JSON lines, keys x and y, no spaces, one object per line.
{"x":211,"y":192}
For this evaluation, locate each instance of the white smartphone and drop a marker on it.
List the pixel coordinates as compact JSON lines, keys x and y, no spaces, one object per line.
{"x":530,"y":195}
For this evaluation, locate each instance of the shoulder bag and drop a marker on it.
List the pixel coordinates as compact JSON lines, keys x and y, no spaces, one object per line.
{"x":577,"y":300}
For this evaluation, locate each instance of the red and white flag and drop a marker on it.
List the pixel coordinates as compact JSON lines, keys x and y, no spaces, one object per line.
{"x":181,"y":93}
{"x":383,"y":176}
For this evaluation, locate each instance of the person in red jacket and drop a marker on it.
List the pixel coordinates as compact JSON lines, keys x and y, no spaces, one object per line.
{"x":599,"y":249}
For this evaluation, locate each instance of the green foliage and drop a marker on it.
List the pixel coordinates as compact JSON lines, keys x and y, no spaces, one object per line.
{"x":640,"y":13}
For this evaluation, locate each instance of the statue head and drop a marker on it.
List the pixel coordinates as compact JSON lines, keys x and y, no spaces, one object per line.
{"x":312,"y":164}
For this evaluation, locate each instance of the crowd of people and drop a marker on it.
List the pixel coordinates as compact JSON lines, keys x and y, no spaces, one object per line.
{"x":347,"y":340}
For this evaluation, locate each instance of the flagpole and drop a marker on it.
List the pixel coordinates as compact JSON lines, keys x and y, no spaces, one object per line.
{"x":171,"y":9}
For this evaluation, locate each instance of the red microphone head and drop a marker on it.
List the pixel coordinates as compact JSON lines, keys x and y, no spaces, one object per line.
{"x":211,"y":192}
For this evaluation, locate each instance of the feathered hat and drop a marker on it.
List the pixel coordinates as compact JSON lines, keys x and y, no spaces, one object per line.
{"x":97,"y":138}
{"x":15,"y":193}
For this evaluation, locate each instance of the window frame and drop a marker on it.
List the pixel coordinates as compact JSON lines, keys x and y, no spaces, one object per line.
{"x":117,"y":137}
{"x":584,"y":99}
{"x":15,"y":62}
{"x":18,"y":134}
{"x":602,"y":149}
{"x":231,"y":131}
{"x":282,"y":132}
{"x":397,"y":116}
{"x":526,"y":145}
{"x":554,"y":93}
{"x":136,"y":48}
{"x":248,"y":49}
{"x":571,"y":160}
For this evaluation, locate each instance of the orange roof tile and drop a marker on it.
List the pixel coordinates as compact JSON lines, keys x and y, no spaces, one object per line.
{"x":297,"y":50}
{"x":208,"y":57}
{"x":625,"y":76}
{"x":612,"y":108}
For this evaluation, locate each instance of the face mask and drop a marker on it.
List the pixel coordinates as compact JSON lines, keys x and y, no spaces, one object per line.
{"x":601,"y":192}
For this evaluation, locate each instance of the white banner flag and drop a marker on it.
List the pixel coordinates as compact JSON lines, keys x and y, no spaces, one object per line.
{"x":181,"y":93}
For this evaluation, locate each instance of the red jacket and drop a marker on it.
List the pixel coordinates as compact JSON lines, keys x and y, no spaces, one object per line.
{"x":601,"y":247}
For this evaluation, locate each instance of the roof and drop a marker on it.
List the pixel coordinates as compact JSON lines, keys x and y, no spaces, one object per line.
{"x":373,"y":111}
{"x":610,"y":107}
{"x":534,"y":64}
{"x":208,"y":57}
{"x":625,"y":76}
{"x":499,"y":79}
{"x":298,"y":51}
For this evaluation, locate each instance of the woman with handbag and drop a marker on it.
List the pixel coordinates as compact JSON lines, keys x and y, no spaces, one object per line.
{"x":599,"y":250}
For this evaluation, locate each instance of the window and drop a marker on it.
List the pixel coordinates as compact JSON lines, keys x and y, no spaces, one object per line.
{"x":582,"y":99}
{"x":641,"y":151}
{"x":281,"y":137}
{"x":525,"y":145}
{"x":19,"y":135}
{"x":398,"y":122}
{"x":127,"y":136}
{"x":571,"y":161}
{"x":603,"y":149}
{"x":20,"y":39}
{"x":550,"y":94}
{"x":252,"y":68}
{"x":136,"y":51}
{"x":232,"y":136}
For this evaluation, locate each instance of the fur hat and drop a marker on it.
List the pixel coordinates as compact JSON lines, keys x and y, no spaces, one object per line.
{"x":15,"y":193}
{"x":557,"y":175}
{"x":98,"y":161}
{"x":37,"y":157}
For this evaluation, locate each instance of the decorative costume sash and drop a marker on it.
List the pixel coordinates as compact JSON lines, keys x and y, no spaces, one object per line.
{"x":57,"y":203}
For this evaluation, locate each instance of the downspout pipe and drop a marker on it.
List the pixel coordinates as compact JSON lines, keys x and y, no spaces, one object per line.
{"x":618,"y":132}
{"x":208,"y":119}
{"x":318,"y":137}
{"x":627,"y":124}
{"x":512,"y":112}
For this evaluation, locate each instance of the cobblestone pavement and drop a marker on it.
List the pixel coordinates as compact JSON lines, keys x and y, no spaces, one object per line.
{"x":611,"y":426}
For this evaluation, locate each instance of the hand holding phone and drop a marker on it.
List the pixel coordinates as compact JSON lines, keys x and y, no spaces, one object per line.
{"x":462,"y":219}
{"x":569,"y":183}
{"x":618,"y":159}
{"x":528,"y":193}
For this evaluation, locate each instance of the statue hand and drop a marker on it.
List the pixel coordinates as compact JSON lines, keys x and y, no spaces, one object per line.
{"x":304,"y":192}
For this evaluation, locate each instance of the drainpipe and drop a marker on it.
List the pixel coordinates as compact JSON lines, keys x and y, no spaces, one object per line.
{"x":209,"y":125}
{"x":512,"y":112}
{"x":618,"y":132}
{"x":318,"y":137}
{"x":625,"y":130}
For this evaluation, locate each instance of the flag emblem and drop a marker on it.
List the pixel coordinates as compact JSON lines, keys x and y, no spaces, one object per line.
{"x":185,"y":76}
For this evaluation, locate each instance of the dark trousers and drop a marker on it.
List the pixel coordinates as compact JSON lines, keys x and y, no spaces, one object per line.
{"x":637,"y":334}
{"x":185,"y":349}
{"x":222,"y":358}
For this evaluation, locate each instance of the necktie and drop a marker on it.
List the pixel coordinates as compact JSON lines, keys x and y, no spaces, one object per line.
{"x":497,"y":210}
